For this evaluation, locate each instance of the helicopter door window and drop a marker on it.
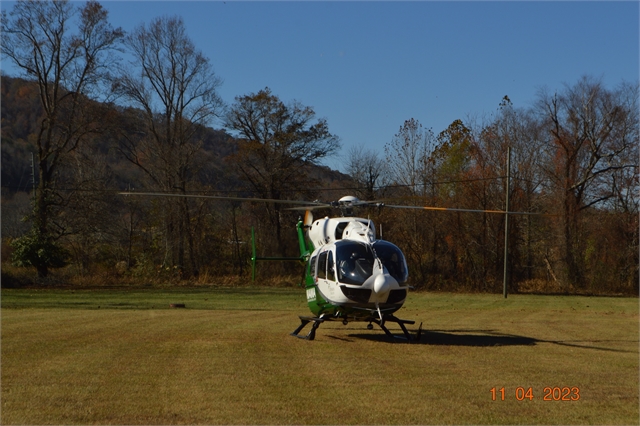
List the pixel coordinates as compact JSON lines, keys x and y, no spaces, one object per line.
{"x":322,"y":265}
{"x":331,"y":274}
{"x":355,"y":262}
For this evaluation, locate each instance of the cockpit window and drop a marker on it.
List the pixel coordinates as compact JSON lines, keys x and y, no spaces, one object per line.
{"x":392,"y":259}
{"x":354,"y":261}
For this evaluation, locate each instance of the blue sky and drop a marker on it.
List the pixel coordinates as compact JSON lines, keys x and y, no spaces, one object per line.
{"x":368,"y":66}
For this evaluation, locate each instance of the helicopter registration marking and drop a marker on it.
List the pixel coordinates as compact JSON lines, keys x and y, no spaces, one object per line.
{"x":311,"y":294}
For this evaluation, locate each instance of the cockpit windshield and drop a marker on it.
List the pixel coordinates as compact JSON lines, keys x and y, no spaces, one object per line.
{"x":354,"y":261}
{"x":392,"y":259}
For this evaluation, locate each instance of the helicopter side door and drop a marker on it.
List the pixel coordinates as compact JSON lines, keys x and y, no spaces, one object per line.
{"x":319,"y":283}
{"x":326,"y":275}
{"x":312,"y":279}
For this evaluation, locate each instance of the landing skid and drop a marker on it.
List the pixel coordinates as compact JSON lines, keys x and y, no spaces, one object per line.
{"x":401,"y":323}
{"x":304,"y":320}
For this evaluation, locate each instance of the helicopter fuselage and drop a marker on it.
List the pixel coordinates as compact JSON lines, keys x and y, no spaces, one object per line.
{"x":350,"y":275}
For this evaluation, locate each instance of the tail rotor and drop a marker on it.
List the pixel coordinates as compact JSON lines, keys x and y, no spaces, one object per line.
{"x":308,"y":218}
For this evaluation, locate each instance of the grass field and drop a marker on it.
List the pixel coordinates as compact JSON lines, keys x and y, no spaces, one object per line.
{"x":125,"y":357}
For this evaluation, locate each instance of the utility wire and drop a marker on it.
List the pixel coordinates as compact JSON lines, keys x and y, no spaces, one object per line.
{"x":228,"y":191}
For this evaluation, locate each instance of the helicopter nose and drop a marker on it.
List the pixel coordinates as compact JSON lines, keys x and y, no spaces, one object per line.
{"x":381,"y":287}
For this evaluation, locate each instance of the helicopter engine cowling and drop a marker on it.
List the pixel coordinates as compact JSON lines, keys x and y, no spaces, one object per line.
{"x":329,"y":230}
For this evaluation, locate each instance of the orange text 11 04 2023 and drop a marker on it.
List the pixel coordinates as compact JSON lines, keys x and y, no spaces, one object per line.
{"x":549,"y":393}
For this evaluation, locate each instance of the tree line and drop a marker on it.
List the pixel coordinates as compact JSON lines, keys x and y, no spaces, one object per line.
{"x":98,"y":124}
{"x":571,"y":152}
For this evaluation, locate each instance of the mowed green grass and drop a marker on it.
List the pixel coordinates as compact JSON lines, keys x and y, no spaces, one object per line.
{"x":125,"y":357}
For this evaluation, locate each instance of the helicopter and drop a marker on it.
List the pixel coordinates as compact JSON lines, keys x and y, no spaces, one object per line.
{"x":350,"y":274}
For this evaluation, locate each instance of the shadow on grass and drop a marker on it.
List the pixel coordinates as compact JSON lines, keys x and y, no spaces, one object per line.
{"x":480,"y":338}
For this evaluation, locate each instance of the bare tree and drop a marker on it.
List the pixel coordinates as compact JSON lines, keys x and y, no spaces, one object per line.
{"x":175,"y":88}
{"x":277,"y":144}
{"x":368,"y":170}
{"x":69,"y":69}
{"x":590,"y":133}
{"x":408,"y":156}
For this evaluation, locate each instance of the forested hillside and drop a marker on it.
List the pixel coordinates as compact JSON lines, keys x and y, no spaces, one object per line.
{"x":81,"y":130}
{"x":21,"y":114}
{"x":108,"y":233}
{"x":101,"y":229}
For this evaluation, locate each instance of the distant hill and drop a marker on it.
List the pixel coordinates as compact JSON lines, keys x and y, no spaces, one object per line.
{"x":21,"y":111}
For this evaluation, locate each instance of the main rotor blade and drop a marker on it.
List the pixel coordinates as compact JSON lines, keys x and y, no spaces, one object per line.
{"x":340,"y":205}
{"x":215,"y":197}
{"x":315,"y":206}
{"x":460,"y":210}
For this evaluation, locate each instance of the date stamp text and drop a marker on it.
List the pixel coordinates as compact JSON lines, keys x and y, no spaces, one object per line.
{"x":549,"y":393}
